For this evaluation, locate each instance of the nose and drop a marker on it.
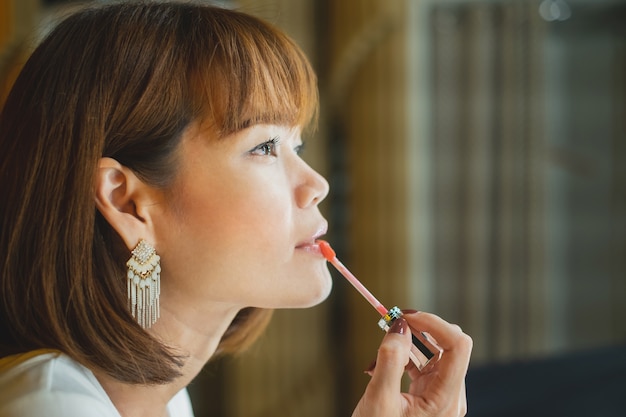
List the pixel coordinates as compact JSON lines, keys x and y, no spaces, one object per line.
{"x":312,"y":189}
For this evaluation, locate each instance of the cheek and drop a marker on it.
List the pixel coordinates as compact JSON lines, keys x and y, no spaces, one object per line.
{"x":234,"y":221}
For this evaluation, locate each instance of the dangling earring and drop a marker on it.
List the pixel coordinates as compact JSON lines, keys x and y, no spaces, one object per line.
{"x":144,"y":284}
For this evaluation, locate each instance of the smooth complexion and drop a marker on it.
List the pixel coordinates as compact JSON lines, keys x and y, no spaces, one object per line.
{"x":244,"y":211}
{"x":235,"y":229}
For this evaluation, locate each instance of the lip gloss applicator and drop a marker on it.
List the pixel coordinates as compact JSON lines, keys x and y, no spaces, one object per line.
{"x":424,"y":352}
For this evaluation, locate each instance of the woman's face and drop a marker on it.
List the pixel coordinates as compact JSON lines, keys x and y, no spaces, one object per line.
{"x":239,"y":227}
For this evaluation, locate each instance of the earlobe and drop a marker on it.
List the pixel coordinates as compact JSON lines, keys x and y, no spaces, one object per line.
{"x":117,"y":194}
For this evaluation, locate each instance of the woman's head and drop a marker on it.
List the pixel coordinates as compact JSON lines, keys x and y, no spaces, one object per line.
{"x":125,"y":82}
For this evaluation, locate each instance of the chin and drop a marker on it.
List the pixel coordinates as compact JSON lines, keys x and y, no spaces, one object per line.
{"x":319,"y":298}
{"x":308,"y":293}
{"x":318,"y":294}
{"x":306,"y":290}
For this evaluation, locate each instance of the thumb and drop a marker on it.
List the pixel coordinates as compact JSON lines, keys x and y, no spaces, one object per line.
{"x":393,"y":356}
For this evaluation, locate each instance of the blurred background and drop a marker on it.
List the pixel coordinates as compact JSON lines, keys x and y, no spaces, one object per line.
{"x":476,"y":151}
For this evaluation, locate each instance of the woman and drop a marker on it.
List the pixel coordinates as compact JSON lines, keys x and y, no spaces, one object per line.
{"x":155,"y":209}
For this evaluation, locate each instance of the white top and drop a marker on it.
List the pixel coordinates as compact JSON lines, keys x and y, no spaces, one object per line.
{"x":48,"y":383}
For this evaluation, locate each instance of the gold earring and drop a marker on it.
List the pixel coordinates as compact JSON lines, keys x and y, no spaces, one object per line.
{"x":144,"y":284}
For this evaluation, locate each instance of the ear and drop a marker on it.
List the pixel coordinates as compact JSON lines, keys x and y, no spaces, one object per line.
{"x":125,"y":202}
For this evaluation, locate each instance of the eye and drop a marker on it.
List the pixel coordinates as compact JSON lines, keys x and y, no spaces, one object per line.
{"x":299,"y":149}
{"x":267,"y":148}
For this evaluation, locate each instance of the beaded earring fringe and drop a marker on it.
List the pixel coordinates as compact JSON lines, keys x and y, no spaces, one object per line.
{"x":144,"y":284}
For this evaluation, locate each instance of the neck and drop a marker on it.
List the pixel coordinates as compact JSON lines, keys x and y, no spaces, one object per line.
{"x":195,"y":339}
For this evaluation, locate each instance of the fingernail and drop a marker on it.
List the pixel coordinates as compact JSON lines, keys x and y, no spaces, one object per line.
{"x":370,"y":368}
{"x":399,"y":326}
{"x":409,"y":311}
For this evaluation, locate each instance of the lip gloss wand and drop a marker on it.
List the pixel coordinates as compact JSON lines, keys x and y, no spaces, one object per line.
{"x":424,"y":352}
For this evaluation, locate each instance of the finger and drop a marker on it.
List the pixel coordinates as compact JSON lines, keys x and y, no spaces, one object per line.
{"x":456,"y":344}
{"x":447,"y":334}
{"x":463,"y":400}
{"x":393,"y":355}
{"x":410,"y":367}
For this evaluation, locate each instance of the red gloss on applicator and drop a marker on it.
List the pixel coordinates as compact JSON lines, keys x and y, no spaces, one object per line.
{"x":425,"y":352}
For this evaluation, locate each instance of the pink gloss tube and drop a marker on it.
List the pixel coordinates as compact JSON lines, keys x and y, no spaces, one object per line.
{"x":425,"y":352}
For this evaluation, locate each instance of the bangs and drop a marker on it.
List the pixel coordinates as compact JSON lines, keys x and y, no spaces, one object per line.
{"x":256,"y":74}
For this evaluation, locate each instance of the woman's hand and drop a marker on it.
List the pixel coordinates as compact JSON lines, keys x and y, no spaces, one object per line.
{"x":439,"y":392}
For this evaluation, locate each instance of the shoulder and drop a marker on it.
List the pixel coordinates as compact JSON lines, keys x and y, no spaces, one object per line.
{"x":48,"y":383}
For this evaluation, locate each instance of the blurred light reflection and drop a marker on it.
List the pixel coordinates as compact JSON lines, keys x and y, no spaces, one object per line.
{"x":555,"y":10}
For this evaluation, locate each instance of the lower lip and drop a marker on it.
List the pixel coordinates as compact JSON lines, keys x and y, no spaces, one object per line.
{"x":313,"y":248}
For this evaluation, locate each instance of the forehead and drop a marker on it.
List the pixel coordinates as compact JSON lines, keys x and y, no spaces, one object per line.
{"x":254,"y":76}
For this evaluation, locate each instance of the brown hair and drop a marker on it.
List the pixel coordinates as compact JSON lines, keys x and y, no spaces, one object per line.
{"x":122,"y":81}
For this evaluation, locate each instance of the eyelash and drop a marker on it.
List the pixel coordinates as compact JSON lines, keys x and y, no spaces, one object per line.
{"x":269,"y":148}
{"x":266,"y":148}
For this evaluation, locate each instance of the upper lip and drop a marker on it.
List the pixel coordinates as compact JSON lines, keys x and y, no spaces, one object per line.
{"x":321,"y":230}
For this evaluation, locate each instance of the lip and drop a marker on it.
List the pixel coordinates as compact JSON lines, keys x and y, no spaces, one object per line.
{"x":313,"y":248}
{"x":310,"y":244}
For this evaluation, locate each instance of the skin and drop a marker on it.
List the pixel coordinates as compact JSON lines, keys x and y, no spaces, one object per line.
{"x":439,"y":392}
{"x":237,"y":229}
{"x":244,"y":213}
